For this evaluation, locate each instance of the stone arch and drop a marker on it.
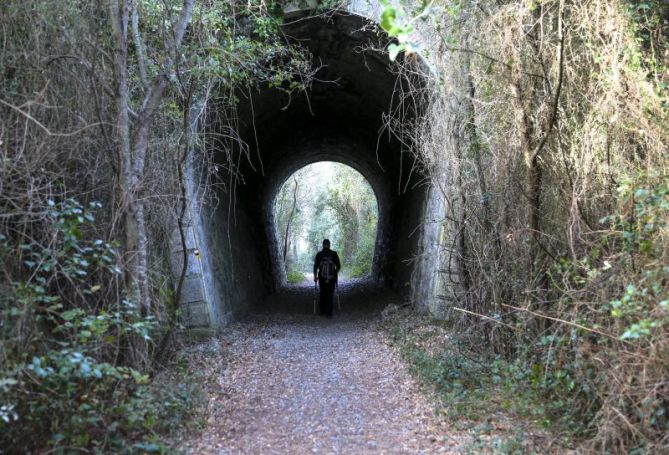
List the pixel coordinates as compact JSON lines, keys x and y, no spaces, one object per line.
{"x":340,"y":119}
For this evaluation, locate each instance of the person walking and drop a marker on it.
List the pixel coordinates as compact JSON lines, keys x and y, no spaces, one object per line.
{"x":326,"y":269}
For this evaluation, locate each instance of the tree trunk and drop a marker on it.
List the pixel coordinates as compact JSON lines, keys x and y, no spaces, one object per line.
{"x":532,"y":162}
{"x":180,"y":164}
{"x":132,"y":242}
{"x":532,"y":149}
{"x":461,"y":255}
{"x":290,"y":221}
{"x":119,"y":19}
{"x":132,"y":150}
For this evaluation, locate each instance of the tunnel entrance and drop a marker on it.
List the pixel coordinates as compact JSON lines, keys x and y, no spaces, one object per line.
{"x":344,"y":117}
{"x":325,"y":200}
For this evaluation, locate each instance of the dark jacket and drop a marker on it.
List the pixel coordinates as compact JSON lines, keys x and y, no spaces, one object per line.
{"x":319,"y":257}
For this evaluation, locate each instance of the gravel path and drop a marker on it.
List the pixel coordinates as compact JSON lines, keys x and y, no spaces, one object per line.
{"x":299,"y":384}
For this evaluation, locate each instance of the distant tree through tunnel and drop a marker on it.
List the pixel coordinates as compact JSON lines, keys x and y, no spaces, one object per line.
{"x":326,"y":200}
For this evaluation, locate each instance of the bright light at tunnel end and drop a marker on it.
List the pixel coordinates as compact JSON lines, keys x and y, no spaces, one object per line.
{"x":326,"y":200}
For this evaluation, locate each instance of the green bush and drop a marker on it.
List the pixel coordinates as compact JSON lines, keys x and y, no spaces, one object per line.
{"x":643,"y":307}
{"x":619,"y":295}
{"x":295,"y":276}
{"x":472,"y":387}
{"x":362,"y":261}
{"x":63,"y":375}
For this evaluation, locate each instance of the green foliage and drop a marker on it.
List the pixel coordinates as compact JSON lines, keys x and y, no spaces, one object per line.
{"x":355,"y":209}
{"x":643,"y":307}
{"x":650,"y":18}
{"x":361,"y":265}
{"x":471,"y":387}
{"x":625,"y":272}
{"x":295,"y":276}
{"x":563,"y":386}
{"x":340,"y":206}
{"x":575,"y":304}
{"x":241,"y":44}
{"x":61,"y":374}
{"x":67,"y":333}
{"x":484,"y":441}
{"x":394,"y":22}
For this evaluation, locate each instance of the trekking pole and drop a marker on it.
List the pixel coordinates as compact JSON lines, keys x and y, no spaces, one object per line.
{"x":315,"y":295}
{"x":337,"y":289}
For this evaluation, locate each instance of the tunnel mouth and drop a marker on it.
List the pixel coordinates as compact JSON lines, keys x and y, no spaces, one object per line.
{"x":346,"y":115}
{"x":325,"y":200}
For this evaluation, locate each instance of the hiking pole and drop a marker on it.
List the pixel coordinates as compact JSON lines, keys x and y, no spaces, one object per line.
{"x":315,"y":295}
{"x":337,"y":291}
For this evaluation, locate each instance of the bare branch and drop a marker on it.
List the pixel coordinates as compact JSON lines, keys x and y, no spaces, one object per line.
{"x":139,"y":45}
{"x":43,"y":127}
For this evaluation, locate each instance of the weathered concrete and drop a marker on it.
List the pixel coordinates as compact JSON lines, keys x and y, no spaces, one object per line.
{"x":340,"y":119}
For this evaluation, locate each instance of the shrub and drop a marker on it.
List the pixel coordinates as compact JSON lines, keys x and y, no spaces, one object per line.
{"x":295,"y":276}
{"x":63,"y":349}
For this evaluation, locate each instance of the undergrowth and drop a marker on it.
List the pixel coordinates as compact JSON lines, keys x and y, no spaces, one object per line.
{"x":295,"y":276}
{"x":546,"y":134}
{"x":88,"y":308}
{"x":503,"y":408}
{"x":64,"y":383}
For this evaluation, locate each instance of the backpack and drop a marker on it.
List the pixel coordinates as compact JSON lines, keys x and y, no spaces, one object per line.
{"x":327,"y":268}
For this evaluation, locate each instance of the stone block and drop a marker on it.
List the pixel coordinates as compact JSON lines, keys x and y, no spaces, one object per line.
{"x":175,"y":240}
{"x":194,"y":264}
{"x":196,"y":314}
{"x":193,"y":290}
{"x":199,"y":333}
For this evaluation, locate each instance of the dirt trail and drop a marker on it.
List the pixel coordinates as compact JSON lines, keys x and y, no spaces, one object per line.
{"x":299,"y":384}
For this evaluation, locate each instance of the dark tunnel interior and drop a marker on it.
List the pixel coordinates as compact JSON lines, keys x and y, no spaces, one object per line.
{"x":341,"y":119}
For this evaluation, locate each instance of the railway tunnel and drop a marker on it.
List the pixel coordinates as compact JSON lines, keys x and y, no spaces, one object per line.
{"x":235,"y":260}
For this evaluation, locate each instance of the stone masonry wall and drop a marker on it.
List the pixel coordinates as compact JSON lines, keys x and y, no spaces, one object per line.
{"x":226,"y":264}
